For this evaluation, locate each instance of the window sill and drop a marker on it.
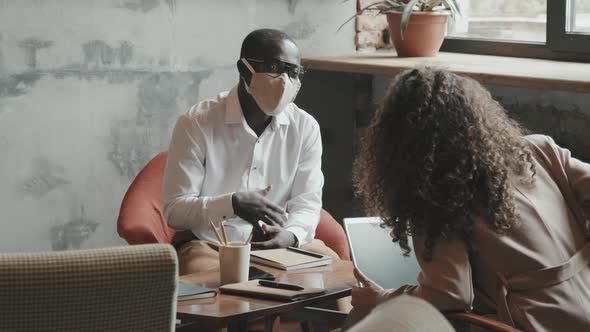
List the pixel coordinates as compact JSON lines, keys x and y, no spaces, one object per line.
{"x":487,"y":69}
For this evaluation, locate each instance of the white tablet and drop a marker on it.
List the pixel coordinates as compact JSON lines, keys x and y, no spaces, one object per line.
{"x":374,"y":253}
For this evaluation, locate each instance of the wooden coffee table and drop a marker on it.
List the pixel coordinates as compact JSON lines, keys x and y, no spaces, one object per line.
{"x":235,"y":311}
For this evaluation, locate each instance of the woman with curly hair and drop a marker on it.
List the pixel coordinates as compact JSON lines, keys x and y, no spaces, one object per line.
{"x":498,"y":221}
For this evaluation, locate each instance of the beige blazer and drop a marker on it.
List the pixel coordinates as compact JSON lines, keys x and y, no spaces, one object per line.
{"x":538,"y":276}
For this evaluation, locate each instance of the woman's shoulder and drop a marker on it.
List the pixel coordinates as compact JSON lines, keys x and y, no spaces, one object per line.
{"x":541,"y":141}
{"x":544,"y":145}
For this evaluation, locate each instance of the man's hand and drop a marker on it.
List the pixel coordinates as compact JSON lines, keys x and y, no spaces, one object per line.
{"x":365,"y":298}
{"x":253,"y":206}
{"x":279,"y":238}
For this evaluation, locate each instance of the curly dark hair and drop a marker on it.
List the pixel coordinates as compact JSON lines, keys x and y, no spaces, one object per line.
{"x":439,"y":152}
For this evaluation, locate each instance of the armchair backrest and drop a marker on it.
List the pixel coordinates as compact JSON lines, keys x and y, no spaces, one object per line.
{"x":130,"y":288}
{"x":332,"y":233}
{"x":141,"y":219}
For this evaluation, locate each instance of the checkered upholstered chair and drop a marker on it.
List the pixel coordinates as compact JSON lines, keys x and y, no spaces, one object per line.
{"x":129,"y":288}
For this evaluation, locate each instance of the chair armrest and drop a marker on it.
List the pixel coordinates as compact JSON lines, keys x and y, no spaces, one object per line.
{"x":487,"y":323}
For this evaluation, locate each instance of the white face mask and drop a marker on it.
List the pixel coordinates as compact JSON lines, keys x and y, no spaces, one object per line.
{"x":272,"y":94}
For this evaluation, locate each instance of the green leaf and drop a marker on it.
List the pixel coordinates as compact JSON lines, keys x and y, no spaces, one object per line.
{"x":453,"y":6}
{"x":406,"y":16}
{"x":346,"y":22}
{"x":374,"y":5}
{"x":393,"y":6}
{"x":430,"y":4}
{"x":395,"y":3}
{"x":392,"y":10}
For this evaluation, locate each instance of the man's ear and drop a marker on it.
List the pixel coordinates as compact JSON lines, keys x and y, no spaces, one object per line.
{"x":245,"y":74}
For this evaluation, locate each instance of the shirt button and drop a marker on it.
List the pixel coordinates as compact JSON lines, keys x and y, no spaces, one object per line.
{"x":257,"y":141}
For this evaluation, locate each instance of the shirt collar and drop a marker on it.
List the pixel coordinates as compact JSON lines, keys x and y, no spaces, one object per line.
{"x":281,"y":119}
{"x":234,"y":113}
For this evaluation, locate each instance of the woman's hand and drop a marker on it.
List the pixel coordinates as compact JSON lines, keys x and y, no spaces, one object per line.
{"x":365,"y":298}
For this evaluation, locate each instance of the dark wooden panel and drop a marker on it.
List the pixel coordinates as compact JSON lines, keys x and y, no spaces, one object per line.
{"x":330,"y":98}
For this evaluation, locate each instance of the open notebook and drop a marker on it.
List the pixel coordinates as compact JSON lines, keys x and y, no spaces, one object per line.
{"x":288,"y":260}
{"x":253,"y":289}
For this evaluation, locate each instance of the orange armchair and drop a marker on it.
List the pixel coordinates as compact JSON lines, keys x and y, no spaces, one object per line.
{"x":141,"y":219}
{"x":465,"y":321}
{"x":332,"y":234}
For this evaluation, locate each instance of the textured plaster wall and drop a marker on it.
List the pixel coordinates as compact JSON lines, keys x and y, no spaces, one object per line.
{"x":89,"y":92}
{"x":565,"y":116}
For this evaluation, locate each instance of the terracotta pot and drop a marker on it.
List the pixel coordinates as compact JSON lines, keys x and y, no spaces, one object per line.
{"x":424,"y":34}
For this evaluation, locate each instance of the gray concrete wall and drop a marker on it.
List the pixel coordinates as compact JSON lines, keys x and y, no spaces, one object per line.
{"x":565,"y":116}
{"x":89,"y":91}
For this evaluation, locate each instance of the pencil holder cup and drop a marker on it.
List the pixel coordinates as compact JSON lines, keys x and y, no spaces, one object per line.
{"x":234,"y":263}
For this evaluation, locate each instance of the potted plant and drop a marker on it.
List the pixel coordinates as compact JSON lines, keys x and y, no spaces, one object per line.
{"x":417,"y":27}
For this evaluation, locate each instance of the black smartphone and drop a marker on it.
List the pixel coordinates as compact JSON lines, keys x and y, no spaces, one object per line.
{"x":256,"y":273}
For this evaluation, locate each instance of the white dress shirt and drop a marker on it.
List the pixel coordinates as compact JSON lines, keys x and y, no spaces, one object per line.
{"x":214,"y":153}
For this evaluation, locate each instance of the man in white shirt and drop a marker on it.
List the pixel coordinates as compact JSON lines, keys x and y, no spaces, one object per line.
{"x":246,"y":156}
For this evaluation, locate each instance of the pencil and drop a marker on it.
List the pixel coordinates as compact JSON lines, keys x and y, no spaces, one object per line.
{"x":216,"y":233}
{"x":224,"y":233}
{"x":249,"y":238}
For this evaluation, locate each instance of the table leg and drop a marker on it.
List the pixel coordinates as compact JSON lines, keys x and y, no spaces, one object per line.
{"x":238,"y":326}
{"x":272,"y":324}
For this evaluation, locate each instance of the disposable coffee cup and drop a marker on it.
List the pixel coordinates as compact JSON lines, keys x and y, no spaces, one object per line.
{"x":234,"y":263}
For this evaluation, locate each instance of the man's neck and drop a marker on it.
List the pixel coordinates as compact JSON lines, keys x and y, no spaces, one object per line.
{"x":256,"y":118}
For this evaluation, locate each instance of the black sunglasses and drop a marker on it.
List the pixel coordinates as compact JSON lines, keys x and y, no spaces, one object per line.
{"x":277,"y":67}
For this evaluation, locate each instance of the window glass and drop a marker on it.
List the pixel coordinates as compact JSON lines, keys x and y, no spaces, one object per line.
{"x":504,"y":20}
{"x":579,"y":16}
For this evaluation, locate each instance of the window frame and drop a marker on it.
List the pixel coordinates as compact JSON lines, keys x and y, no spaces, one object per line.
{"x":557,"y":36}
{"x":559,"y":45}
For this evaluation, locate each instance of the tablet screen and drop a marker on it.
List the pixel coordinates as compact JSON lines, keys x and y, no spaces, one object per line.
{"x":377,"y":256}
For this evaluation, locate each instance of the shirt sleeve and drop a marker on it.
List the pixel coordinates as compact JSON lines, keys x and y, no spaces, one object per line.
{"x":305,"y":200}
{"x":445,"y":281}
{"x":183,"y":205}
